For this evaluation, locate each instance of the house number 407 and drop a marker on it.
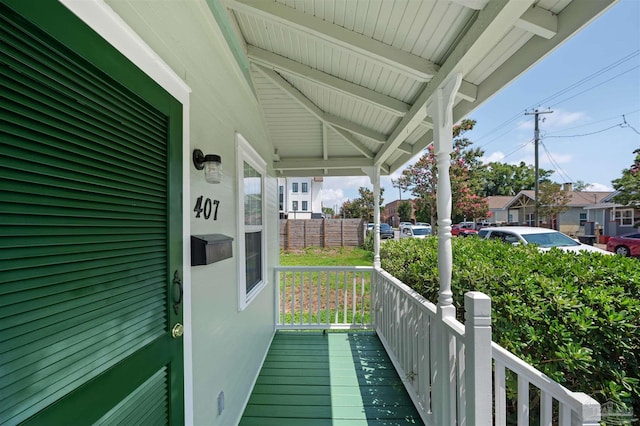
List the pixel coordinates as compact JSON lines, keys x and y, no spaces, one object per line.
{"x":204,"y":208}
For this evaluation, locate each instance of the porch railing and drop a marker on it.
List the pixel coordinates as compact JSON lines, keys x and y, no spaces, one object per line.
{"x":448,"y":368}
{"x":310,"y":297}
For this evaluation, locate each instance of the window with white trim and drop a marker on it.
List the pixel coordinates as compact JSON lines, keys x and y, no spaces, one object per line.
{"x":624,"y":217}
{"x":583,"y":219}
{"x":294,"y":187}
{"x":304,"y":206}
{"x":251,"y":170}
{"x":305,"y":187}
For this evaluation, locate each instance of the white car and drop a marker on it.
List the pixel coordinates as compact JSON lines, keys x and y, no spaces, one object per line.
{"x":415,"y":231}
{"x":544,"y":238}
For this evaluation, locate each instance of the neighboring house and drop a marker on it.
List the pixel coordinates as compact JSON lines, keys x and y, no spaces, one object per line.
{"x":133,"y":284}
{"x":390,"y":213}
{"x":499,"y":212}
{"x":300,"y":197}
{"x":568,"y":222}
{"x":614,"y":219}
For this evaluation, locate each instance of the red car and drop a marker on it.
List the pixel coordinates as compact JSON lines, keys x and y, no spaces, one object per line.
{"x":462,"y":230}
{"x":625,"y":245}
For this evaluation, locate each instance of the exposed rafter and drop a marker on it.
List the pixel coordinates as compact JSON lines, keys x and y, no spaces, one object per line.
{"x":489,"y":27}
{"x":319,"y":163}
{"x":280,"y":63}
{"x":390,"y":57}
{"x":539,"y":21}
{"x":332,"y":120}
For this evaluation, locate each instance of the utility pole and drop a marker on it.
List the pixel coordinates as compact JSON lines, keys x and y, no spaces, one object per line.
{"x":536,"y":135}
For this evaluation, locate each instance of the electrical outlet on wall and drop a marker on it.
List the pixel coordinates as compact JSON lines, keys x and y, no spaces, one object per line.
{"x":220,"y":402}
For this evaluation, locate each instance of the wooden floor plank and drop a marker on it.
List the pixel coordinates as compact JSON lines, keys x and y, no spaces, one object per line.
{"x":313,"y":378}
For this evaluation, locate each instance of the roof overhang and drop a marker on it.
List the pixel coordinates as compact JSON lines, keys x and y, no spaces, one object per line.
{"x":345,"y":86}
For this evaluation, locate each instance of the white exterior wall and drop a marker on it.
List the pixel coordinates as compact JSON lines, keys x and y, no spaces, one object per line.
{"x":224,"y":347}
{"x":312,"y":197}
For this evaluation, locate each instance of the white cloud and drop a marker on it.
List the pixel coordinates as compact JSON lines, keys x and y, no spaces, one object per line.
{"x":599,"y":187}
{"x":493,"y":157}
{"x":560,"y":119}
{"x":332,"y":197}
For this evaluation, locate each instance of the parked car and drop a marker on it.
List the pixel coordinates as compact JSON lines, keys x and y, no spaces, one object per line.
{"x":415,"y":231}
{"x":386,"y":231}
{"x":463,"y":229}
{"x":625,"y":245}
{"x":544,"y":238}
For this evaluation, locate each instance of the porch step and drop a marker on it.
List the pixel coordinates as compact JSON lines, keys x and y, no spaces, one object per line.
{"x":345,"y":378}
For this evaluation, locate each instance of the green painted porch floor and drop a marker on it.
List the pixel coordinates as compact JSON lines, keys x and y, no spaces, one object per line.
{"x":344,"y":379}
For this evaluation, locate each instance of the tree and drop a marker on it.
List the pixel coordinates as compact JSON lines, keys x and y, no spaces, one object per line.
{"x":580,"y":186}
{"x":404,"y":211}
{"x":363,"y":206}
{"x":328,"y":212}
{"x":466,"y":179}
{"x":628,"y":184}
{"x":552,"y":200}
{"x":510,"y":179}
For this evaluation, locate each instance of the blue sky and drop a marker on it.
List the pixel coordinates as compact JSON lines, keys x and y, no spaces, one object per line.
{"x":590,"y":82}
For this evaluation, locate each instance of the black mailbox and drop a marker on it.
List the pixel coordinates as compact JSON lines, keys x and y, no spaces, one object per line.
{"x":206,"y":249}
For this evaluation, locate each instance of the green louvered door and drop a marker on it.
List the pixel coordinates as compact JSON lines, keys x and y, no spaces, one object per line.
{"x":90,"y":229}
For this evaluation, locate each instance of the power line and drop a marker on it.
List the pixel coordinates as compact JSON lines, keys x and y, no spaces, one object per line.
{"x":628,"y":125}
{"x":592,"y":76}
{"x":518,"y":149}
{"x":555,"y":164}
{"x":585,"y":134}
{"x":597,"y":85}
{"x":559,"y":93}
{"x":580,"y":126}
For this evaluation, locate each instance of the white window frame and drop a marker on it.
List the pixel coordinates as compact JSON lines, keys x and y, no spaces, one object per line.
{"x":246,"y":154}
{"x":305,"y":205}
{"x":304,"y":187}
{"x":617,"y":215}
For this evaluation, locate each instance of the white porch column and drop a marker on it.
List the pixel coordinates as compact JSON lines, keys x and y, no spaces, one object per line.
{"x":375,"y":180}
{"x":444,"y":395}
{"x":441,"y":110}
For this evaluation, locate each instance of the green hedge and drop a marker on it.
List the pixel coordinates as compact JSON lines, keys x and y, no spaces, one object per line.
{"x":574,"y":317}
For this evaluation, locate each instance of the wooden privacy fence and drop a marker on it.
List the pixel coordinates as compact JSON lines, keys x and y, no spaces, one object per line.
{"x":301,"y":233}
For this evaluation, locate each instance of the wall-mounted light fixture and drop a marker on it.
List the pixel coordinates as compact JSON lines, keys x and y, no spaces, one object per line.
{"x":211,"y":163}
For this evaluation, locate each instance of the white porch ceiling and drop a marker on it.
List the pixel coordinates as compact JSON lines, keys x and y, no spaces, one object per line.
{"x":344,"y":84}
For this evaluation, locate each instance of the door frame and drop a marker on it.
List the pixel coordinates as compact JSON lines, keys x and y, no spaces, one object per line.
{"x":98,"y":16}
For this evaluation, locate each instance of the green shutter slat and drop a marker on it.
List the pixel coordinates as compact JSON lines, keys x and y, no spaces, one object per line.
{"x":56,"y":260}
{"x":28,"y":81}
{"x":47,"y":304}
{"x":47,"y":391}
{"x":60,"y":339}
{"x":146,"y":405}
{"x":27,"y":146}
{"x":26,"y":231}
{"x":19,"y":335}
{"x":76,"y":78}
{"x":106,"y":349}
{"x":18,"y":280}
{"x":42,"y":293}
{"x":45,"y":284}
{"x":65,"y":128}
{"x":43,"y":171}
{"x":28,"y":195}
{"x":70,"y":240}
{"x":72,"y":113}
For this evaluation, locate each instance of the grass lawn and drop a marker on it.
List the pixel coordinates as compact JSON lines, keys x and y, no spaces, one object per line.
{"x":335,"y":256}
